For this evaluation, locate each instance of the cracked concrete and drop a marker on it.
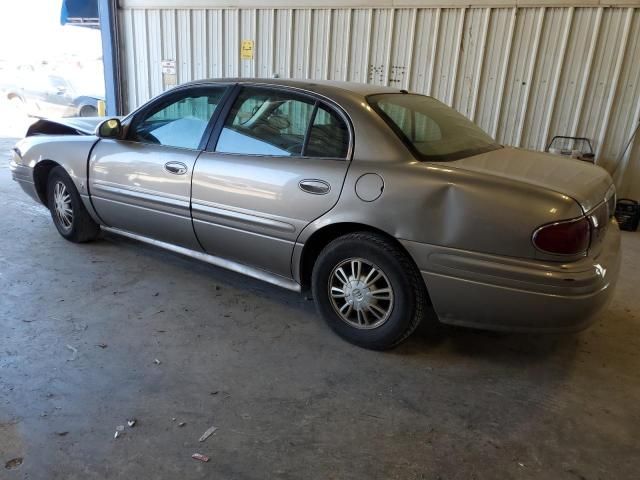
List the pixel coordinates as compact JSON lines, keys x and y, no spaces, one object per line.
{"x":289,"y":398}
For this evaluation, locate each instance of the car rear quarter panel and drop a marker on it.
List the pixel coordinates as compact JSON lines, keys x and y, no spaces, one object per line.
{"x":470,"y":236}
{"x":434,"y":204}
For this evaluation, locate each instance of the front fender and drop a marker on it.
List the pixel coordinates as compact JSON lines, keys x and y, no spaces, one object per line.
{"x":70,"y":152}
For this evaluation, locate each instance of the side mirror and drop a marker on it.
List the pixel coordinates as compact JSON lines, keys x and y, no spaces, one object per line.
{"x":111,"y":128}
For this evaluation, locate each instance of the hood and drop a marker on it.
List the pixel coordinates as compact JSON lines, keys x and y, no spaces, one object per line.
{"x":66,"y":126}
{"x":587,"y":184}
{"x":82,"y":124}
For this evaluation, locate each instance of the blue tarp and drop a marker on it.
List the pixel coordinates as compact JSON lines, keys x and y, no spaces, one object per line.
{"x":78,"y":9}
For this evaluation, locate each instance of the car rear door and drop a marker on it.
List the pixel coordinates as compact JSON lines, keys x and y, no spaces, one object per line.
{"x":142,"y":184}
{"x":277,"y":161}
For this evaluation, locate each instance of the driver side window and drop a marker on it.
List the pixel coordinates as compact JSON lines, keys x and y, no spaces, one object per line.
{"x":179,"y":123}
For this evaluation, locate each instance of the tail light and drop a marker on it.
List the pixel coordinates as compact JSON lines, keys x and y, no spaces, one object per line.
{"x":570,"y":237}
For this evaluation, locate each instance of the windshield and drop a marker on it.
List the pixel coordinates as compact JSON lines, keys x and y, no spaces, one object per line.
{"x":432,"y":130}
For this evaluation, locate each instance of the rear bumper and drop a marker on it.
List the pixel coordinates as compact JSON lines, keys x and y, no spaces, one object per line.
{"x":500,"y":293}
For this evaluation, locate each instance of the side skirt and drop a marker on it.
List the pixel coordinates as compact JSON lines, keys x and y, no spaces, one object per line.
{"x":213,"y":260}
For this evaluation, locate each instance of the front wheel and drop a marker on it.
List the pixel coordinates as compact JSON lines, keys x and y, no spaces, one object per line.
{"x":67,"y":210}
{"x":368,"y":290}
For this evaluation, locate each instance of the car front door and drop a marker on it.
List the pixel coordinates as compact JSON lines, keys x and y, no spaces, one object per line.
{"x":275,"y":163}
{"x":32,"y":85}
{"x":142,"y":183}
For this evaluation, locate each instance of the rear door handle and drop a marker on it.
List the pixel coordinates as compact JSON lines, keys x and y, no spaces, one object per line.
{"x":177,"y":168}
{"x":314,"y":186}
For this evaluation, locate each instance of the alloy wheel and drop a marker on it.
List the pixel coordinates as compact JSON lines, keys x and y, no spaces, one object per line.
{"x":62,"y":205}
{"x":360,"y":293}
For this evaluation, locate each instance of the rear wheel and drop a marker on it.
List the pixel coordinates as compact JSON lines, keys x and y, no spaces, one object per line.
{"x":368,"y":290}
{"x":67,"y":210}
{"x":88,"y":111}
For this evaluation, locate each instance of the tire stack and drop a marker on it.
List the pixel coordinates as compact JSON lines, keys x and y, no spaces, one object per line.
{"x":628,"y":214}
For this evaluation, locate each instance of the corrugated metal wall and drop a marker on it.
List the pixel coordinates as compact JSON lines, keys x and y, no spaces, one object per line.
{"x":522,"y":74}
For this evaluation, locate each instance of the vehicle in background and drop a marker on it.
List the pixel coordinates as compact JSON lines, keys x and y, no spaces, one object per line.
{"x":42,"y":94}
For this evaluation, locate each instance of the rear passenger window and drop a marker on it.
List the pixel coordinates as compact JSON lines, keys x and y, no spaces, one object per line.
{"x":329,"y":136}
{"x":278,"y":123}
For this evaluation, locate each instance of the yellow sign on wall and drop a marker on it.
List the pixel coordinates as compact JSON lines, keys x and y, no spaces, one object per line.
{"x":246,"y":50}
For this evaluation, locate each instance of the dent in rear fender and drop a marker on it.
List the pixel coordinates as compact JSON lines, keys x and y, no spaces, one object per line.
{"x":436,"y":205}
{"x":70,"y":152}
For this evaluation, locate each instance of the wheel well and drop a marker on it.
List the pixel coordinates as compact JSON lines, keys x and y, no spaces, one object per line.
{"x":40,"y":177}
{"x":320,"y":239}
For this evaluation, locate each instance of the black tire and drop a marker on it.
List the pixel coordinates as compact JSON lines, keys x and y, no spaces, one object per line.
{"x":81,"y":227}
{"x":88,"y":111}
{"x":410,"y":298}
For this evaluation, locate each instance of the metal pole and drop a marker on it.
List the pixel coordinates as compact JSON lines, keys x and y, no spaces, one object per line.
{"x":110,"y":56}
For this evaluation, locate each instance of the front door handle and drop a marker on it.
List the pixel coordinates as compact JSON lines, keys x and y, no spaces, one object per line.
{"x":177,"y":168}
{"x":314,"y":186}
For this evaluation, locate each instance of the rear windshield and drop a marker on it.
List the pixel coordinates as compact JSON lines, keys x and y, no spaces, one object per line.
{"x":431,"y":130}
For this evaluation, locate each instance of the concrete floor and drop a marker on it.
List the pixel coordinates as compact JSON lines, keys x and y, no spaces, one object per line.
{"x":291,"y":400}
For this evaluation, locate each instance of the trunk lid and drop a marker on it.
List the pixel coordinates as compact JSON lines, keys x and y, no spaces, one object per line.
{"x":587,"y":184}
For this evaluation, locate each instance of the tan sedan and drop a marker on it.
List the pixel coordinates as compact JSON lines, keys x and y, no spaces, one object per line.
{"x":383,"y":203}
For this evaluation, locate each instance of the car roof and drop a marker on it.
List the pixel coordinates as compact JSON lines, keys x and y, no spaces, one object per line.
{"x":325,"y":87}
